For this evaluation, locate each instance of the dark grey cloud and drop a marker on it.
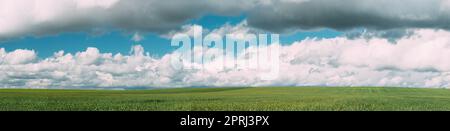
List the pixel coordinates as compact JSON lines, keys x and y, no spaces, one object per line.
{"x":44,"y":17}
{"x":281,"y":16}
{"x":391,"y":34}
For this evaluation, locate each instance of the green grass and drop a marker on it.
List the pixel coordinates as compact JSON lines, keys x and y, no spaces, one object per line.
{"x":228,"y":99}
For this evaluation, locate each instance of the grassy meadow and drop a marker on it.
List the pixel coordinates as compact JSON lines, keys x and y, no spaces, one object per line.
{"x":229,"y":99}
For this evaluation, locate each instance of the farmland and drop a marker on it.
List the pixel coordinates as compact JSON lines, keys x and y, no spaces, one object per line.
{"x":229,"y":99}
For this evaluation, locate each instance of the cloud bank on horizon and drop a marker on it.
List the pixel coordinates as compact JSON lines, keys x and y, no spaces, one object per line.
{"x":419,"y":59}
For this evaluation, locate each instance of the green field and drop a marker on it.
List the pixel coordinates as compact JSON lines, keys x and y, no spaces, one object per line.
{"x":228,"y":99}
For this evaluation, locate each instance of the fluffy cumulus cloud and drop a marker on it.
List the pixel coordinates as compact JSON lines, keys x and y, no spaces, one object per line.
{"x":418,"y":60}
{"x":194,"y":30}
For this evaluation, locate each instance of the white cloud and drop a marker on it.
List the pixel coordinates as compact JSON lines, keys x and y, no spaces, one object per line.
{"x":418,"y":60}
{"x":137,"y":37}
{"x":95,"y":3}
{"x":190,"y":30}
{"x":241,"y":28}
{"x":17,"y":57}
{"x":193,"y":30}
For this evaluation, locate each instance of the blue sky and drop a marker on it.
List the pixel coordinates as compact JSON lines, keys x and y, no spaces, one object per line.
{"x":120,"y":42}
{"x":358,"y":42}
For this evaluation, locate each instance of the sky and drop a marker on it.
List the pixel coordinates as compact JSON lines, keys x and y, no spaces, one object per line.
{"x":124,"y":44}
{"x":117,"y":41}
